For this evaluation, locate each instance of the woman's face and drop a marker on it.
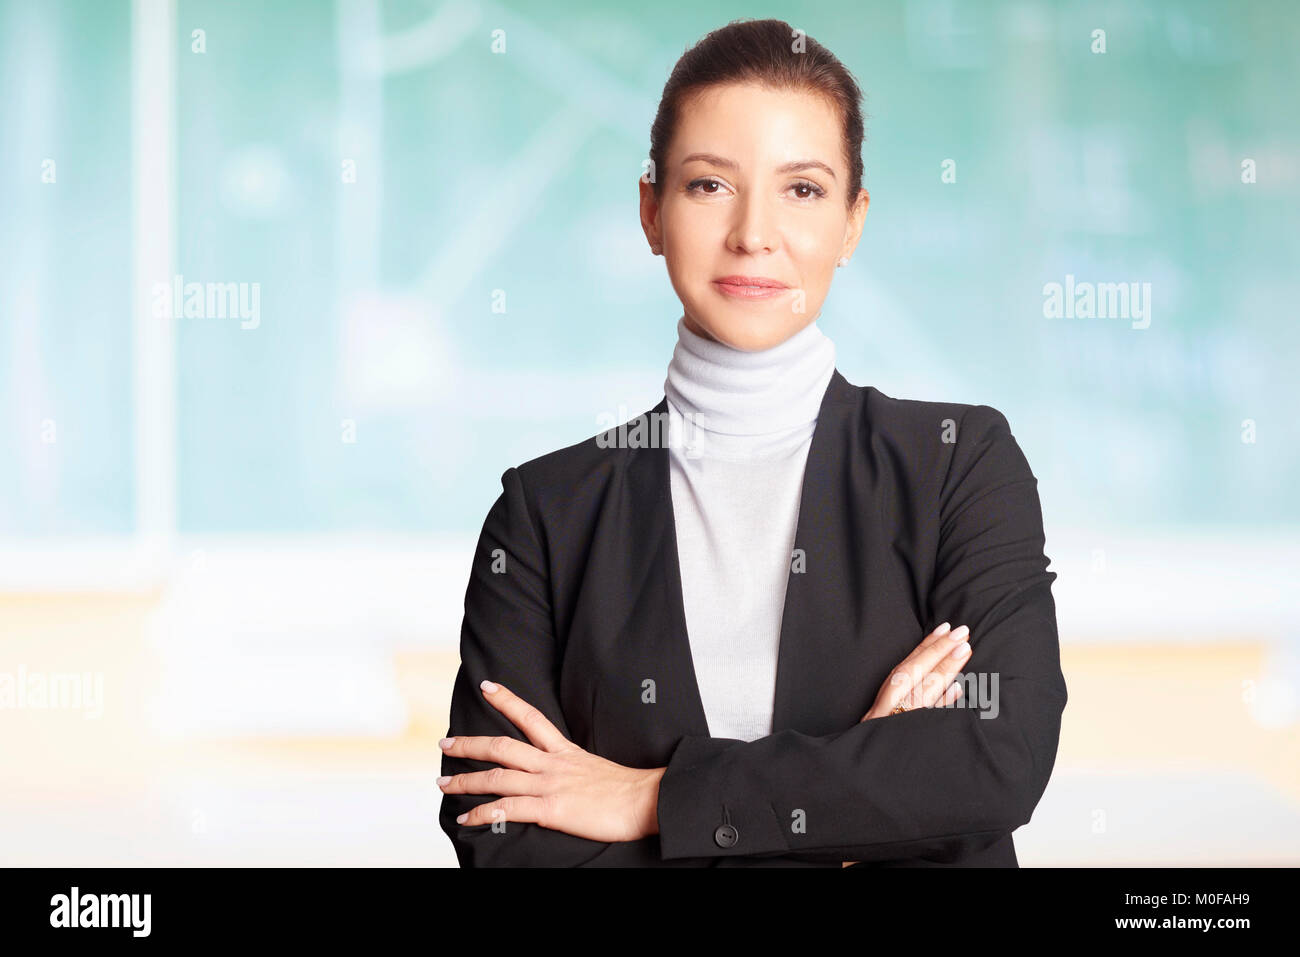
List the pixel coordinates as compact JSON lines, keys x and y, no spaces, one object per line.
{"x":754,"y":185}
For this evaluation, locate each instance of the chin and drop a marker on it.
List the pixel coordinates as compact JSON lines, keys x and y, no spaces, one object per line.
{"x":752,"y":333}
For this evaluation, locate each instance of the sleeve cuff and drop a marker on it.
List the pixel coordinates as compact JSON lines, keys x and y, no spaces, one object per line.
{"x":701,"y":813}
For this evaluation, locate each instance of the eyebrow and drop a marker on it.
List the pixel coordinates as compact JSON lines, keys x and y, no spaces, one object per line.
{"x":792,"y":167}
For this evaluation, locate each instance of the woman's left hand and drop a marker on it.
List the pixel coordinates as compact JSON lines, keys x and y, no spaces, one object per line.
{"x":552,"y":782}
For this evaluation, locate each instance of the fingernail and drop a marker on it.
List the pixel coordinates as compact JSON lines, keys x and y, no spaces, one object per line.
{"x":446,"y":742}
{"x":960,"y":633}
{"x":460,"y":818}
{"x":961,"y":651}
{"x":442,"y":781}
{"x":943,"y":629}
{"x":487,"y":686}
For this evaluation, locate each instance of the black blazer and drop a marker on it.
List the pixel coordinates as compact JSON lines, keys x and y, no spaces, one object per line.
{"x":912,"y":513}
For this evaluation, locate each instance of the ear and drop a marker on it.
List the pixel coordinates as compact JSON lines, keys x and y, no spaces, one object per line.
{"x":853,"y":229}
{"x":649,"y":213}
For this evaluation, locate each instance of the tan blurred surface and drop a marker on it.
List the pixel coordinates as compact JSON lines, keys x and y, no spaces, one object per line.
{"x":1145,"y":724}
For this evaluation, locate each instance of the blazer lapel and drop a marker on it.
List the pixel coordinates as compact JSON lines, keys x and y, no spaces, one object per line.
{"x":822,"y":624}
{"x":661,"y":647}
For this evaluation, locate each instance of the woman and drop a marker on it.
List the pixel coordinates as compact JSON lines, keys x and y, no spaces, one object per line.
{"x":704,"y":651}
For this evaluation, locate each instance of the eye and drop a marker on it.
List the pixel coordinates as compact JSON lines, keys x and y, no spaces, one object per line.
{"x":696,"y":186}
{"x":814,"y":191}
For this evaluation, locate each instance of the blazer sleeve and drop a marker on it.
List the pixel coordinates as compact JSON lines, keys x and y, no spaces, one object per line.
{"x":930,"y":782}
{"x":508,"y":636}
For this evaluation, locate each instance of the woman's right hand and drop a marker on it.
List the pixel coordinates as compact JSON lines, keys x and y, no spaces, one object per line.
{"x":927,"y":676}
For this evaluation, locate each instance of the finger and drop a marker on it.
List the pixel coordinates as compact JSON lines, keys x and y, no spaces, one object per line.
{"x":500,"y":749}
{"x":952,"y":694}
{"x":934,"y":638}
{"x":525,"y":717}
{"x":936,"y":683}
{"x":899,"y":693}
{"x":927,"y":694}
{"x":923,"y":660}
{"x":939,"y":632}
{"x":942,"y":636}
{"x":502,"y":781}
{"x":521,"y":809}
{"x":906,"y":683}
{"x":942,"y":631}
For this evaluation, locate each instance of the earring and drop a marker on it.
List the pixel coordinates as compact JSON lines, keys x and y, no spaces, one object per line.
{"x":844,"y":261}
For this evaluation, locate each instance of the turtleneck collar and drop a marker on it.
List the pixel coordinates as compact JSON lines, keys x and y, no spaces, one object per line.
{"x":727,"y":391}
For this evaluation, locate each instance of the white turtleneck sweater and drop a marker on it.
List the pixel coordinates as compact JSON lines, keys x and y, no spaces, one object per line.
{"x":742,"y":424}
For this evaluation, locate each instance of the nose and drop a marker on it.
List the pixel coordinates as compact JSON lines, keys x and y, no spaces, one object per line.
{"x":754,"y":230}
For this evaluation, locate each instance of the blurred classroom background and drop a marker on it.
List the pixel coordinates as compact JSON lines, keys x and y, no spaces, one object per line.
{"x":237,"y":541}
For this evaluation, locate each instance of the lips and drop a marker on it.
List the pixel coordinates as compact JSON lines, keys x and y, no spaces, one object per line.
{"x":759,"y":281}
{"x":749,"y":287}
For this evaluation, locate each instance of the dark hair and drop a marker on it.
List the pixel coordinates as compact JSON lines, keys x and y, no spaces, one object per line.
{"x":763,"y":52}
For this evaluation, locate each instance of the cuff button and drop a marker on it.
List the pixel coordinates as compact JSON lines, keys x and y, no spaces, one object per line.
{"x":726,"y":836}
